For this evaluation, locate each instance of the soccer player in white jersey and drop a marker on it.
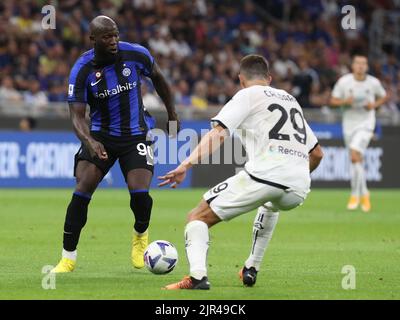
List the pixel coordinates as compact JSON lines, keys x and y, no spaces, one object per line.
{"x":360,"y":94}
{"x":282,"y":150}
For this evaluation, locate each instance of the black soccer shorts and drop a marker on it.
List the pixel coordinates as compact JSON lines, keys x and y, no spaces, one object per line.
{"x":133,"y":152}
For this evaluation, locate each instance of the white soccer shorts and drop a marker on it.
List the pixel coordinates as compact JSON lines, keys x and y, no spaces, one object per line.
{"x":358,"y":140}
{"x":241,"y":193}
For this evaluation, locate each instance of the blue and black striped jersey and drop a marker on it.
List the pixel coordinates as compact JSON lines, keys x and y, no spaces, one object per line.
{"x":113,"y":91}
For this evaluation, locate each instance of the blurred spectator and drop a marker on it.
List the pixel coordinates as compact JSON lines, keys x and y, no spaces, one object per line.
{"x":283,"y":66}
{"x":8,"y":93}
{"x":391,"y":68}
{"x":199,"y":97}
{"x":6,"y":58}
{"x":180,"y":47}
{"x":27,"y":124}
{"x":303,"y":82}
{"x":159,"y":44}
{"x":182,"y":96}
{"x":34,"y":97}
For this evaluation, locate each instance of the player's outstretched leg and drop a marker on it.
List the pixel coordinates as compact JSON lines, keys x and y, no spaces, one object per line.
{"x":141,"y":204}
{"x":197,"y":243}
{"x":263,"y":228}
{"x":88,"y":177}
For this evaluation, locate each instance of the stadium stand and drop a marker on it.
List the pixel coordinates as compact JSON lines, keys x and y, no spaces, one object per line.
{"x":198,"y":45}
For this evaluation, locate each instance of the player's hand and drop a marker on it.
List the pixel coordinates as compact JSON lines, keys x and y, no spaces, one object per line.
{"x":349,"y":101}
{"x":174,"y":177}
{"x":97,"y":149}
{"x":370,"y":106}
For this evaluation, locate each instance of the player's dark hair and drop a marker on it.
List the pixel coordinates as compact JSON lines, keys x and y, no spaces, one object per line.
{"x":32,"y":122}
{"x":358,"y":53}
{"x":254,"y":66}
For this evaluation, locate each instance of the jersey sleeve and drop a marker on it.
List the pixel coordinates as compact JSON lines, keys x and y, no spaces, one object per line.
{"x":145,"y":61}
{"x":311,"y":141}
{"x":234,"y":112}
{"x":338,"y":90}
{"x":77,"y":90}
{"x":379,"y":91}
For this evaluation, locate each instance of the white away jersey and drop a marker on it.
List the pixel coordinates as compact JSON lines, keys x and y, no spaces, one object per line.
{"x":277,"y":138}
{"x":357,"y":117}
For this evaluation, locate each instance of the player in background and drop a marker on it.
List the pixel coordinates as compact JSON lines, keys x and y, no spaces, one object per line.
{"x":359,"y":94}
{"x":282,"y":150}
{"x":108,"y":79}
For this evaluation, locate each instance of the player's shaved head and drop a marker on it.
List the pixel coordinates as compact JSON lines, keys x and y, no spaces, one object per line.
{"x":254,"y":66}
{"x":105,"y":36}
{"x":101,"y":24}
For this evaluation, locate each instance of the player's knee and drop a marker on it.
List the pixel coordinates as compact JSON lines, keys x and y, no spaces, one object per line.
{"x":290,"y":205}
{"x":206,"y":216}
{"x":192,"y":216}
{"x":196,"y":214}
{"x":85,"y":185}
{"x":287,"y":207}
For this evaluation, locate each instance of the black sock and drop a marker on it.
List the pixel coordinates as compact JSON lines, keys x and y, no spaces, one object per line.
{"x":141,"y":204}
{"x":75,"y":219}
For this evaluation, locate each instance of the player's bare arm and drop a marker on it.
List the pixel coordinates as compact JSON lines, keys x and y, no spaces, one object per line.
{"x":316,"y":156}
{"x":336,"y":102}
{"x":81,"y":128}
{"x":164,"y":91}
{"x":208,"y":144}
{"x":377,"y":103}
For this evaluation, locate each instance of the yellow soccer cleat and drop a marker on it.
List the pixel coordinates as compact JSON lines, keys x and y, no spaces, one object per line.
{"x":139,"y":245}
{"x":365,"y":203}
{"x":353,"y":203}
{"x":65,"y":265}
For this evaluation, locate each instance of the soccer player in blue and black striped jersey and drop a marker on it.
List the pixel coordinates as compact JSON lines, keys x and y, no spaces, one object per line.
{"x":107,"y":78}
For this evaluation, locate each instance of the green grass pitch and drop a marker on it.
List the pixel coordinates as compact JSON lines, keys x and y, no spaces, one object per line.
{"x":310,"y":246}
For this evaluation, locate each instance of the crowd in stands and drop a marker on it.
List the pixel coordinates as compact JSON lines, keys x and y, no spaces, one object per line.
{"x":198,"y":45}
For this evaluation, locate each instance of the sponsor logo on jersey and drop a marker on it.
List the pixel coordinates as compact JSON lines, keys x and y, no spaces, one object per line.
{"x":292,"y":152}
{"x":288,"y":151}
{"x":118,"y":89}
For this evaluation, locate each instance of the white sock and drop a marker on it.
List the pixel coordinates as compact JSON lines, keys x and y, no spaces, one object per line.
{"x":263,"y":228}
{"x":362,"y":180}
{"x":197,"y":241}
{"x":354,"y":181}
{"x":72,"y":255}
